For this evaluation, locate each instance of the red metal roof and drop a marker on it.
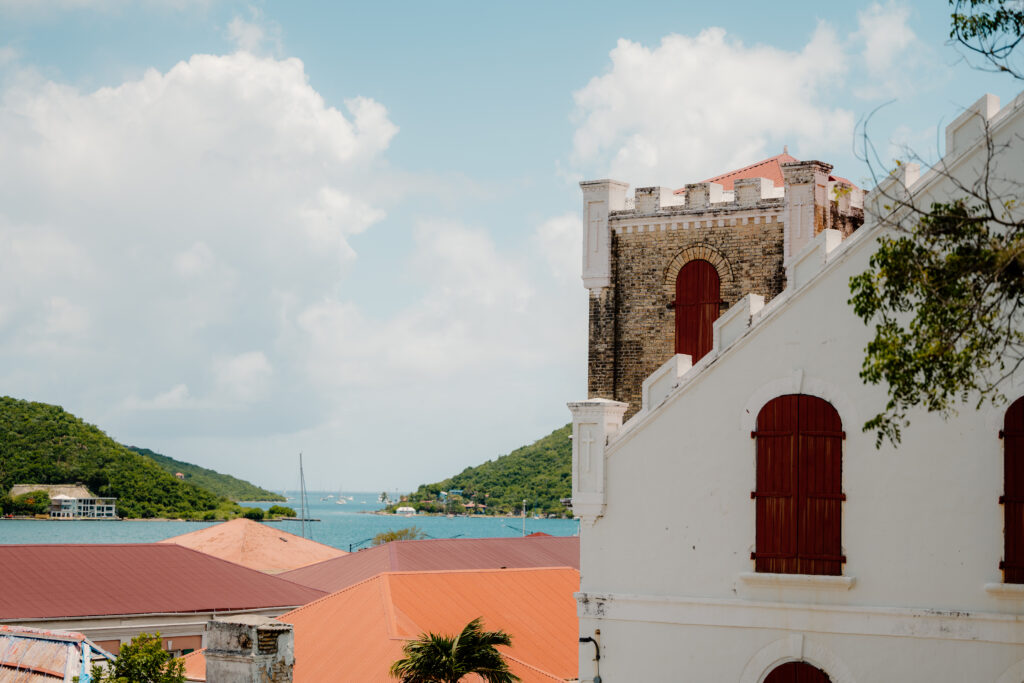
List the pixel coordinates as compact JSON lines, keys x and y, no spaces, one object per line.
{"x":439,"y":554}
{"x":50,"y":581}
{"x":770,"y":168}
{"x":257,"y":546}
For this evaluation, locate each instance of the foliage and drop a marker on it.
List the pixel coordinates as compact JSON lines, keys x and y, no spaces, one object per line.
{"x":434,"y":658}
{"x":220,"y":484}
{"x":409,"y":533}
{"x":43,"y":444}
{"x":989,"y":28}
{"x":255,"y":514}
{"x":540,"y":473}
{"x":142,"y":661}
{"x":946,"y":287}
{"x":280,"y":511}
{"x":946,"y":294}
{"x":31,"y":503}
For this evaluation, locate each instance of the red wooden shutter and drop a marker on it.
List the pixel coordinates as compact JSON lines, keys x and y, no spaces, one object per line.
{"x":1013,"y":493}
{"x":820,"y":488}
{"x":697,"y":305}
{"x":799,"y":487}
{"x":776,"y":494}
{"x":797,"y":672}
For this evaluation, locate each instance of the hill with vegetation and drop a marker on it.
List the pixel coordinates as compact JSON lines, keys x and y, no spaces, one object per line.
{"x":221,"y":484}
{"x":44,"y":444}
{"x":540,"y":473}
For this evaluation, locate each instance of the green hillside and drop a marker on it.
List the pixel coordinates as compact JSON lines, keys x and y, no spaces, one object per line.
{"x":43,"y":444}
{"x":221,"y":484}
{"x":540,"y":473}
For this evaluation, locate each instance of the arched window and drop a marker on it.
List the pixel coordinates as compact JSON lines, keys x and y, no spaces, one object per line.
{"x":1013,"y":493}
{"x":697,"y":304}
{"x":799,"y":487}
{"x":797,"y":672}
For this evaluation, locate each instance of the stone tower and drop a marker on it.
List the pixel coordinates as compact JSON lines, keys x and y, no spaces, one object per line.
{"x":638,"y":259}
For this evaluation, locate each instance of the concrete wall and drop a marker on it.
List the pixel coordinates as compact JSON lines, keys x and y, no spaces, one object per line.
{"x":665,"y":550}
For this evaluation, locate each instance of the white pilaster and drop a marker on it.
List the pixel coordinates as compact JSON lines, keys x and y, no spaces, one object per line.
{"x":593,"y":422}
{"x":599,"y":198}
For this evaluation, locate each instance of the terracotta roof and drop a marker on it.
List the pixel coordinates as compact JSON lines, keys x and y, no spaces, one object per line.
{"x":770,"y":168}
{"x":440,"y":554}
{"x":52,"y":489}
{"x":50,"y":581}
{"x":32,"y":655}
{"x":355,"y":634}
{"x":195,"y":665}
{"x":257,"y":546}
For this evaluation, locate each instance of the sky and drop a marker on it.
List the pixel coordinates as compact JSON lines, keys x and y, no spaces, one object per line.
{"x":232,"y":232}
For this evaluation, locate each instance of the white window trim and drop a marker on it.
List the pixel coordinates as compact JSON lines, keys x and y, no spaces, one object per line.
{"x":812,"y":581}
{"x":1005,"y":591}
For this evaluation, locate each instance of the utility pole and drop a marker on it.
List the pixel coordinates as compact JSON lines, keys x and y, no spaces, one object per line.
{"x":524,"y":518}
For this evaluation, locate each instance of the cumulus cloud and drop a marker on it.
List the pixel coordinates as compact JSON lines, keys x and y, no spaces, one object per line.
{"x":895,"y":59}
{"x":255,"y":34}
{"x":694,"y":106}
{"x":560,"y":241}
{"x":155,"y":227}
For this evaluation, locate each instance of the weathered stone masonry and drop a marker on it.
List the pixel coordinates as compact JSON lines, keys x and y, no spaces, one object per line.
{"x":632,"y":255}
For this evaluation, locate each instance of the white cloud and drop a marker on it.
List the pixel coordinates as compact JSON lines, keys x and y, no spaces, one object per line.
{"x":695,"y":106}
{"x":896,"y":60}
{"x":245,"y":377}
{"x":151,"y":226}
{"x":255,"y":34}
{"x":560,"y":242}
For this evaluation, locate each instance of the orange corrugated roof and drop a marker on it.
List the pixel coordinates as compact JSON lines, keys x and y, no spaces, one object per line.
{"x":440,"y":554}
{"x":257,"y":546}
{"x":356,"y":633}
{"x":376,"y":617}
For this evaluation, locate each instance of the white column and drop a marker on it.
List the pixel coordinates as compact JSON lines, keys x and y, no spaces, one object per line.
{"x":593,"y":422}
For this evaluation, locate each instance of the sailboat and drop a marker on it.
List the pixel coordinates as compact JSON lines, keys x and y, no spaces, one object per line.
{"x":341,"y":499}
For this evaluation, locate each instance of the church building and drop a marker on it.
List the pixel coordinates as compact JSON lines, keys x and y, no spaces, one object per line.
{"x":737,"y":523}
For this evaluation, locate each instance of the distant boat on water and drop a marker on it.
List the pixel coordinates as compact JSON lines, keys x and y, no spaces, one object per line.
{"x":341,"y":499}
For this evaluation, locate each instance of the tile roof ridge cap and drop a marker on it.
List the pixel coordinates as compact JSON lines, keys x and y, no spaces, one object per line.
{"x":327,"y":596}
{"x":533,"y":667}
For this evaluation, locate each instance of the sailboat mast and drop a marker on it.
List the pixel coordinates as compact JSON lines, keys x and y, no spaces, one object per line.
{"x":302,"y":496}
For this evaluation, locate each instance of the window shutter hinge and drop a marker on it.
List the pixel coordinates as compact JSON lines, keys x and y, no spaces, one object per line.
{"x":753,"y":435}
{"x":1001,"y":434}
{"x":1002,"y":500}
{"x":753,"y":495}
{"x":1002,"y":564}
{"x":753,"y":556}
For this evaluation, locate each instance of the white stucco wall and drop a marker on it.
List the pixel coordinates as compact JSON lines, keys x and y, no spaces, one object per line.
{"x":666,"y":570}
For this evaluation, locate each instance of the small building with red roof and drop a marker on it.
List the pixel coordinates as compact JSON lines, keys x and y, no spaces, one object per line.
{"x":257,"y":546}
{"x":112,"y":592}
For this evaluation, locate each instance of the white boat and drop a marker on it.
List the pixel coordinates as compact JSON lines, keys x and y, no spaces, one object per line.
{"x":341,"y":499}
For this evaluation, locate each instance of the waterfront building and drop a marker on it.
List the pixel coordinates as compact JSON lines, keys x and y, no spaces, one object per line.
{"x":739,"y":525}
{"x":71,"y":502}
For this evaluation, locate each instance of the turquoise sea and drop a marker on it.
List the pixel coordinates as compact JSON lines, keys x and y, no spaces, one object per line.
{"x":340,"y":525}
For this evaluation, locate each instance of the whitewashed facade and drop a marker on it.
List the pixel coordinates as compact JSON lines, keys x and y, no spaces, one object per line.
{"x":668,"y":587}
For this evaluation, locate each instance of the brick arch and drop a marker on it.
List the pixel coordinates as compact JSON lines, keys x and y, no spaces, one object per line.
{"x":698,"y":252}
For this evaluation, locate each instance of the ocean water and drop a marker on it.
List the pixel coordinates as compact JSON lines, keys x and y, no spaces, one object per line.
{"x":342,"y":526}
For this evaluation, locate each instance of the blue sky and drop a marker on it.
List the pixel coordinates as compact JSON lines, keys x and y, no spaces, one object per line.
{"x":236,"y":231}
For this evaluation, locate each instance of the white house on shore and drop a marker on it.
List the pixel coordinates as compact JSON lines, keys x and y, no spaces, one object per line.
{"x":741,"y":527}
{"x":71,"y":502}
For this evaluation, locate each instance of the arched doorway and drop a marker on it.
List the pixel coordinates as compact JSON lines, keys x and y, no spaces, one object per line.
{"x":698,"y":300}
{"x":797,"y":672}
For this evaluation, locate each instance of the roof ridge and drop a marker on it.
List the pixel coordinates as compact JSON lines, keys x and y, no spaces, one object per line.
{"x":531,"y":666}
{"x":478,"y":570}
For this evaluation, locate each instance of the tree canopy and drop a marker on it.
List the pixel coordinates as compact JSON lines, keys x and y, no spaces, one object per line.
{"x":142,"y":661}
